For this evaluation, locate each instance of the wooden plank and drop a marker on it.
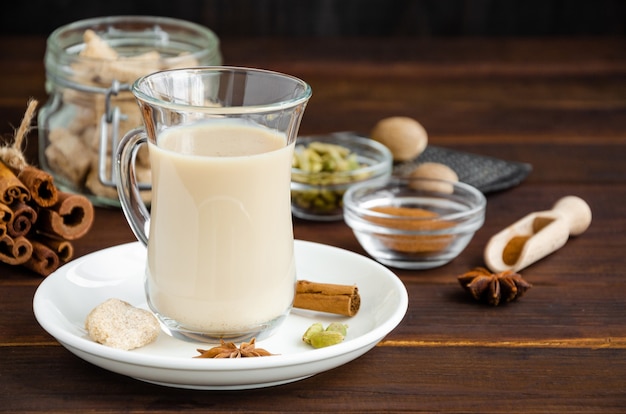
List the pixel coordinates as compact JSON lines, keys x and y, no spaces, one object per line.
{"x":425,"y":379}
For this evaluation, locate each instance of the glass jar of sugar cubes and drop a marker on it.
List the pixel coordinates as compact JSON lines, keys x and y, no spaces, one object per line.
{"x":90,"y":65}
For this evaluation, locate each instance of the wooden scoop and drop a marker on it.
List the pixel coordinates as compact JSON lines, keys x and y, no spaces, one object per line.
{"x":537,"y":235}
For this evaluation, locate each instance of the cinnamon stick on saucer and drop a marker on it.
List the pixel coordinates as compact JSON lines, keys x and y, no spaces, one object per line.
{"x":327,"y":297}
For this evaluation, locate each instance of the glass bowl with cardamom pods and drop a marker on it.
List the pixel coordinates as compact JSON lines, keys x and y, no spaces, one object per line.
{"x":325,"y":166}
{"x":414,"y":223}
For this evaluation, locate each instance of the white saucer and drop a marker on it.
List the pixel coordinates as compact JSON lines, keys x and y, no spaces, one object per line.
{"x":65,"y":297}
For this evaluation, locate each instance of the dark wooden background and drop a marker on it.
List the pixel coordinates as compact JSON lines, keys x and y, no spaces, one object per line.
{"x":340,"y":17}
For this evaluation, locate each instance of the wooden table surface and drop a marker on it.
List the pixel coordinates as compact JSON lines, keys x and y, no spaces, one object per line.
{"x":558,"y":104}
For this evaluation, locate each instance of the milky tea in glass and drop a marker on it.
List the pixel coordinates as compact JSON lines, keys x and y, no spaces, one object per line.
{"x":220,"y":259}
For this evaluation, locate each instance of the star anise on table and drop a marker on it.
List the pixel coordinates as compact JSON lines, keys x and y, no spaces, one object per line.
{"x":494,"y":288}
{"x":230,"y":350}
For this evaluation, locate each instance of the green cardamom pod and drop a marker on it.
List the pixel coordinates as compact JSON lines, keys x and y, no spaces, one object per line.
{"x":338,"y":327}
{"x":325,"y":338}
{"x":313,"y":329}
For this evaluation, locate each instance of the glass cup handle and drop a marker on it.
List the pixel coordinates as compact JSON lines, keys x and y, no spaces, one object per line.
{"x":134,"y":209}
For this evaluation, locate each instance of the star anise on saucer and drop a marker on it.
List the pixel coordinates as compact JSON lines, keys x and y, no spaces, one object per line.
{"x":230,"y":350}
{"x":494,"y":288}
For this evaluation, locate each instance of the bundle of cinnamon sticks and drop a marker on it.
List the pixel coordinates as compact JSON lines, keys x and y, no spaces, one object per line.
{"x":37,"y":221}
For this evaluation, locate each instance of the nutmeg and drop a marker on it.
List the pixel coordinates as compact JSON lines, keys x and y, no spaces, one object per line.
{"x":434,"y":170}
{"x":405,"y":137}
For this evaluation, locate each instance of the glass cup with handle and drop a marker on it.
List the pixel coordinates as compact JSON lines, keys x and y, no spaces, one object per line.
{"x":219,"y":233}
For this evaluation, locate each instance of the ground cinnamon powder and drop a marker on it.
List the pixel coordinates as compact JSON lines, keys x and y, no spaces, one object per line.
{"x":412,"y":243}
{"x":513,"y":249}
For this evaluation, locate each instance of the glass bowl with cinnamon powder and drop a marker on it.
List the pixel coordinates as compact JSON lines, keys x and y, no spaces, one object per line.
{"x":414,"y":223}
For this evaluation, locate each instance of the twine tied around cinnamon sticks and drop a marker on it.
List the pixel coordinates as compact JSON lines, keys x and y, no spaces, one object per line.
{"x":37,"y":220}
